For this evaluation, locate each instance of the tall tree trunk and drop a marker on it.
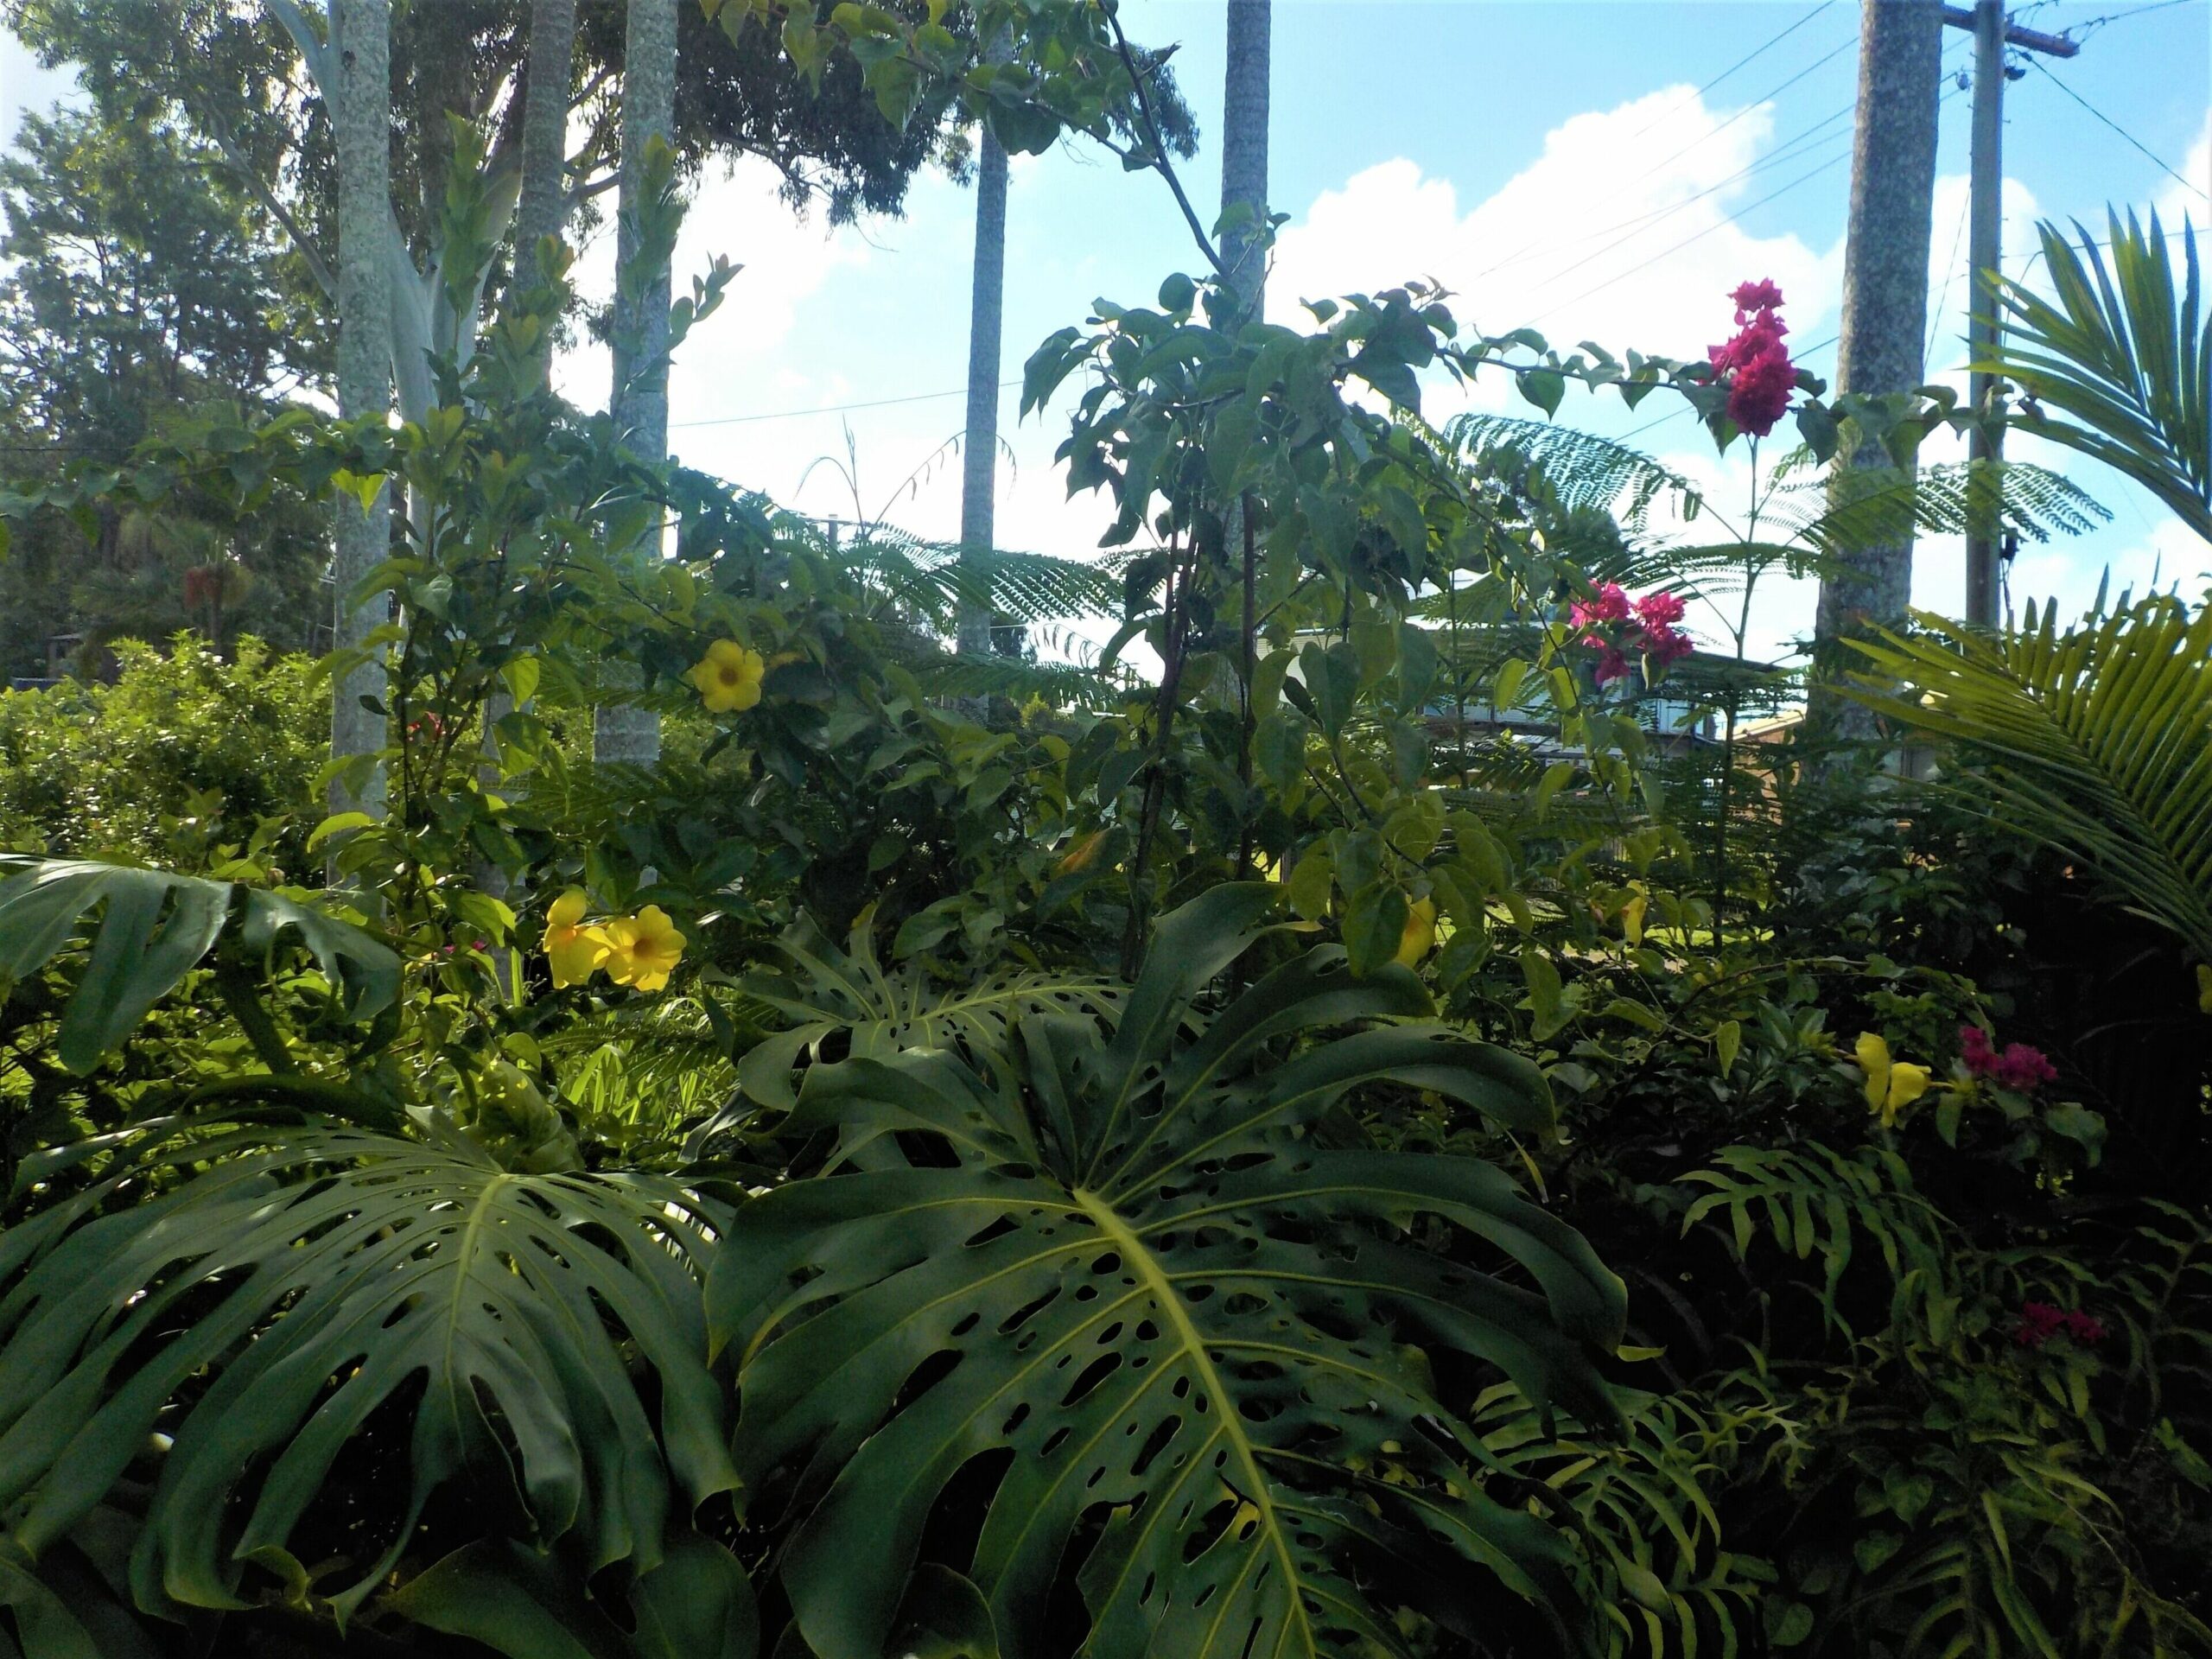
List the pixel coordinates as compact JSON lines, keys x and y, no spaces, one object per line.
{"x":361,"y":119}
{"x":544,"y":209}
{"x":986,"y":323}
{"x":1244,"y":255}
{"x":1884,"y":298}
{"x":1244,"y":146}
{"x":639,"y":405}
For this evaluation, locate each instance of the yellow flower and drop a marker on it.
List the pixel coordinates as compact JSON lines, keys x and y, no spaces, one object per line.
{"x":728,"y":677}
{"x":572,"y":949}
{"x":1420,"y":937}
{"x":643,"y":949}
{"x":1892,"y":1085}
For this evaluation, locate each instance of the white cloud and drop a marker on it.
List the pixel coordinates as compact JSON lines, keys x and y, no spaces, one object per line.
{"x":2169,"y":555}
{"x":785,"y":257}
{"x":2177,"y":202}
{"x":1580,"y":244}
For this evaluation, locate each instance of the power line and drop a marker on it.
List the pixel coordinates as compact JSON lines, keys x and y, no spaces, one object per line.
{"x":1651,"y":216}
{"x":1950,"y":268}
{"x":2083,"y":31}
{"x":835,"y":409}
{"x":1755,"y":52}
{"x":1540,"y":245}
{"x":1699,"y":236}
{"x":2037,"y":65}
{"x":1660,"y":215}
{"x":1755,"y":103}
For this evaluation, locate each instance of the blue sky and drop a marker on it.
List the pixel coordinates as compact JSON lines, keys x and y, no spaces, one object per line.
{"x":1577,"y":164}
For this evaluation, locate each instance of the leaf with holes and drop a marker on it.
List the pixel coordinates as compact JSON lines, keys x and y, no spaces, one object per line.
{"x":1144,"y":1300}
{"x":262,"y":1312}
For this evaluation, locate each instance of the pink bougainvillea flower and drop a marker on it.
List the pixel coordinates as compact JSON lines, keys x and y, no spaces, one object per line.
{"x":2024,"y":1068}
{"x":1760,"y":376}
{"x":1753,"y":297}
{"x":1758,"y":396}
{"x":1611,"y":664}
{"x":1660,"y":610}
{"x":2021,"y":1067}
{"x":1663,"y":645}
{"x":2041,"y":1321}
{"x":1611,"y":605}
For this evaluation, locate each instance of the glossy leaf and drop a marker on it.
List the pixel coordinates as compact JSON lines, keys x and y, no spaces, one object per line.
{"x":524,"y":1306}
{"x":1149,"y":1267}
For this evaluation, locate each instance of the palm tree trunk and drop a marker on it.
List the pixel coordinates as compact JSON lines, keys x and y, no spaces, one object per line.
{"x":361,"y":119}
{"x":1885,"y":297}
{"x":640,"y":403}
{"x":543,"y":208}
{"x":1244,"y":146}
{"x":986,"y":321}
{"x":1243,"y":256}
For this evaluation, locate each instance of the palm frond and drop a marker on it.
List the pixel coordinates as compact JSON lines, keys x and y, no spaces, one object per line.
{"x":2125,"y":355}
{"x":2096,"y":742}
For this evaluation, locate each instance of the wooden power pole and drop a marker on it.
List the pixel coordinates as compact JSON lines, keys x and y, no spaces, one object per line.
{"x":1993,"y":33}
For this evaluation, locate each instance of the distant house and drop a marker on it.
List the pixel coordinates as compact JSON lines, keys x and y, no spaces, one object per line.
{"x":1680,"y":716}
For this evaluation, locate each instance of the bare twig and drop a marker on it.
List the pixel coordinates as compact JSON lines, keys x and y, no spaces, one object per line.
{"x":1159,"y":161}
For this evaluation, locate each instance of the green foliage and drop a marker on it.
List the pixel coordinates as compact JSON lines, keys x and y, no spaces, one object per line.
{"x":2095,"y":741}
{"x":184,"y":759}
{"x":2126,"y":354}
{"x":1165,"y":1288}
{"x":329,"y":1279}
{"x":154,"y":929}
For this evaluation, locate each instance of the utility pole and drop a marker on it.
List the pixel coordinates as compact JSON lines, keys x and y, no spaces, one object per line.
{"x":1986,"y":252}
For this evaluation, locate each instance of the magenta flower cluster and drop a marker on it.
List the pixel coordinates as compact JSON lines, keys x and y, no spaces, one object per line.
{"x":2040,"y":1322}
{"x":1649,"y":625}
{"x":2018,"y":1067}
{"x":1755,"y":363}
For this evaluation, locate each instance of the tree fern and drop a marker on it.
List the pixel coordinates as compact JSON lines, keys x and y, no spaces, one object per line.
{"x":1580,"y":469}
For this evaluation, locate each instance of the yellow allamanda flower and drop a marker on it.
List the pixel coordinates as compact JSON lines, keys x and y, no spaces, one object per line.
{"x":643,"y":949}
{"x":728,"y":677}
{"x":1892,"y":1085}
{"x":572,"y":949}
{"x":1420,"y":937}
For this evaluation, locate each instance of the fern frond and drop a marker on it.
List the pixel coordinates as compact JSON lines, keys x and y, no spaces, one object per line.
{"x":1581,"y":469}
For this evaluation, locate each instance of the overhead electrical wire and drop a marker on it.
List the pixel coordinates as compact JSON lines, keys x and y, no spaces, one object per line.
{"x":1772,"y":41}
{"x":2150,"y":155}
{"x":1541,"y":245}
{"x":834,"y":408}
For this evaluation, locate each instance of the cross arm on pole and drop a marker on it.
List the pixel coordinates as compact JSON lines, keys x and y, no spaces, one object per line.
{"x":2054,"y":46}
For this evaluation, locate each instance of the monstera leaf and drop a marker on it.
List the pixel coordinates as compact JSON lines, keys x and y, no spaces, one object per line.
{"x":262,"y":1312}
{"x":696,"y":1604}
{"x":153,"y":928}
{"x":1162,"y":1322}
{"x":826,"y":992}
